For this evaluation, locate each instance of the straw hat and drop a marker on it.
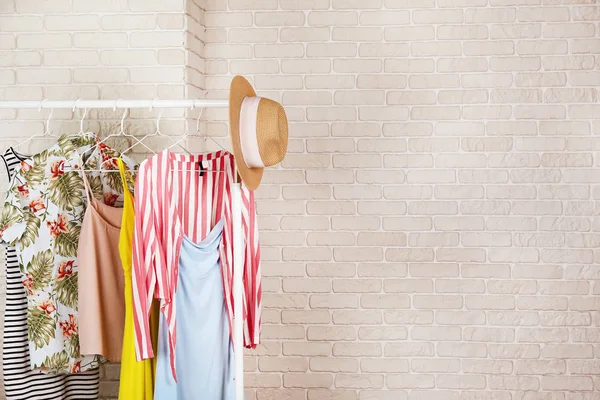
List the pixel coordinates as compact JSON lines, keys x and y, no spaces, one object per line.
{"x":259,"y":131}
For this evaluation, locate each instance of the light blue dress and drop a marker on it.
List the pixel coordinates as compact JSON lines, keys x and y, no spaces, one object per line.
{"x":204,"y":353}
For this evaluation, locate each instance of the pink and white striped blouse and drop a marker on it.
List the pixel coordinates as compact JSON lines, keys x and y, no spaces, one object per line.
{"x":172,"y":199}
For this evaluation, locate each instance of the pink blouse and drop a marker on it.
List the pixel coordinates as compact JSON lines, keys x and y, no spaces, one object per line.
{"x":173,"y":198}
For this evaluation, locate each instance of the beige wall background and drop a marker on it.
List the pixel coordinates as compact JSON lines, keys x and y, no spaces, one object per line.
{"x":433,"y":231}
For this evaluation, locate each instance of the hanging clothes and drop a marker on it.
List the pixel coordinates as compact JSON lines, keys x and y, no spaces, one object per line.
{"x":42,"y":217}
{"x":20,"y":382}
{"x":100,"y":282}
{"x":205,"y":362}
{"x":178,"y":195}
{"x":137,"y":378}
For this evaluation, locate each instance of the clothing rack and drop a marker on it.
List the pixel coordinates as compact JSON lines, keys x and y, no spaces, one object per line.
{"x":238,"y":334}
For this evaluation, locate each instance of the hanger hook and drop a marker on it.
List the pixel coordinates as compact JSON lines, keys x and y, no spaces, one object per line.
{"x":75,"y":104}
{"x":123,"y":121}
{"x":158,"y":122}
{"x":116,"y":104}
{"x":47,"y":132}
{"x":42,"y":104}
{"x":198,"y":121}
{"x":82,"y":118}
{"x":152,"y":103}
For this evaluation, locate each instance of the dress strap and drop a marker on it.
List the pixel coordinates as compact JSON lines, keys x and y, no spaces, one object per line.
{"x":125,"y":175}
{"x":88,"y":188}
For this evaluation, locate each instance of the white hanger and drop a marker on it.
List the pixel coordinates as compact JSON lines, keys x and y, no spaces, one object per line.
{"x":186,"y":135}
{"x":158,"y":132}
{"x":95,"y":146}
{"x":120,"y":133}
{"x":137,"y":141}
{"x":98,"y":142}
{"x":206,"y":135}
{"x":145,"y":136}
{"x":81,"y":122}
{"x":81,"y":132}
{"x":47,"y":132}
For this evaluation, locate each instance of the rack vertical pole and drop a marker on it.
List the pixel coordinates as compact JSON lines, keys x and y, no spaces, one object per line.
{"x":238,"y":268}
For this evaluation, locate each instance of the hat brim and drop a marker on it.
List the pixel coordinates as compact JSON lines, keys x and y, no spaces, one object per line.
{"x":240,"y":88}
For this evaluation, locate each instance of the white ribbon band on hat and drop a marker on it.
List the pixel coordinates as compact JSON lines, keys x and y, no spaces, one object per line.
{"x":248,"y":136}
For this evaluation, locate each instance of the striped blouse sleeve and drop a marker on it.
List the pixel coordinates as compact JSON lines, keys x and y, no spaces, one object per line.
{"x":144,"y":248}
{"x":252,"y":273}
{"x":251,"y":285}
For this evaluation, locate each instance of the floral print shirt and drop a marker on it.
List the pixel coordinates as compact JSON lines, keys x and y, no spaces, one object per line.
{"x":42,"y":218}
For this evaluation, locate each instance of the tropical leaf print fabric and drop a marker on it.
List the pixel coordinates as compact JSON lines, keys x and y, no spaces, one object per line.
{"x":42,"y":217}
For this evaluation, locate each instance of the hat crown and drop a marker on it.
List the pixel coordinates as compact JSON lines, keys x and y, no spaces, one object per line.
{"x":271,"y":131}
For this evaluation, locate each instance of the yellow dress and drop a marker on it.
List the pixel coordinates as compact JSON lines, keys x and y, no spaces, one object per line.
{"x":137,"y":378}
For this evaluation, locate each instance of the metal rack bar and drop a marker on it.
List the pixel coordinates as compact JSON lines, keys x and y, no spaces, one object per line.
{"x":52,"y":104}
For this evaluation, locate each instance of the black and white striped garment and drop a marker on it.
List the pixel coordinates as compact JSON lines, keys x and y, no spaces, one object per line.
{"x":20,"y":383}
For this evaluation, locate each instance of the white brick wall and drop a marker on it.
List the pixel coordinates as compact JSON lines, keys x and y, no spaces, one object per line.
{"x":432,"y":232}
